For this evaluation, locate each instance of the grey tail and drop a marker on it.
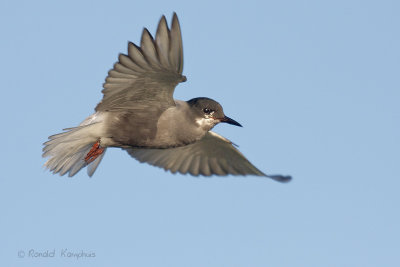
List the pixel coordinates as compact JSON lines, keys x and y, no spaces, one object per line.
{"x":67,"y":150}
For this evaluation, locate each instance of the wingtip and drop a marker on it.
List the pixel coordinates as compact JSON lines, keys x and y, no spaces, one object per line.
{"x":280,"y":178}
{"x":145,"y":31}
{"x":175,"y":20}
{"x":162,"y":21}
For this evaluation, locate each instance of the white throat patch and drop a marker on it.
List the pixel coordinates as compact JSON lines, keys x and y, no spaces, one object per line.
{"x":205,"y":122}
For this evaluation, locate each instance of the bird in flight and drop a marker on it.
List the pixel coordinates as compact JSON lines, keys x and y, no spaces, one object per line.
{"x":139,"y":114}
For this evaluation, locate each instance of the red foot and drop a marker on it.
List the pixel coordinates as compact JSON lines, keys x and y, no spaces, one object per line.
{"x":94,"y":152}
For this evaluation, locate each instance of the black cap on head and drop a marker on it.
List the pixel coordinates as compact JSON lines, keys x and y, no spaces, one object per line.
{"x":204,"y":107}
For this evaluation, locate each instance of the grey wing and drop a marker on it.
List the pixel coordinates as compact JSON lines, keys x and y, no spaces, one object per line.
{"x":212,"y":155}
{"x":148,"y":73}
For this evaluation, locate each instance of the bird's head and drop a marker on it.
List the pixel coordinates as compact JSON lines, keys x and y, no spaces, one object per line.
{"x":209,"y":113}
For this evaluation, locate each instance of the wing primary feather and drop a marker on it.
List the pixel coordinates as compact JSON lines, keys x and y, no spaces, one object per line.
{"x":129,"y":63}
{"x":194,"y":167}
{"x":111,"y":86}
{"x":204,"y":167}
{"x":223,"y":164}
{"x":280,"y":178}
{"x":118,"y":80}
{"x":162,"y":42}
{"x":148,"y":48}
{"x":136,"y":54}
{"x":176,"y":165}
{"x":185,"y":164}
{"x":176,"y":47}
{"x":116,"y":74}
{"x":215,"y":166}
{"x":121,"y":68}
{"x":169,"y":162}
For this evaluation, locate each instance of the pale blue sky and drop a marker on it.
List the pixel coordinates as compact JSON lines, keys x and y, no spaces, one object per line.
{"x":314,"y":83}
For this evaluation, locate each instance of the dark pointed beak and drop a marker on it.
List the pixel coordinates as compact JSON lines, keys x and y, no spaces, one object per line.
{"x":230,"y":121}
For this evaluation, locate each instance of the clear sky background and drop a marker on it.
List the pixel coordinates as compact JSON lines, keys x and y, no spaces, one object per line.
{"x":316,"y":85}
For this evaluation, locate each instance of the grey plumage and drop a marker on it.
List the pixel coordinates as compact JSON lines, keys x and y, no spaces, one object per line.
{"x":213,"y":154}
{"x":139,"y":114}
{"x":147,"y":76}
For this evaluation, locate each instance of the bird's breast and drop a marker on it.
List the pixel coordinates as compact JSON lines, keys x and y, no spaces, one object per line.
{"x":176,"y":127}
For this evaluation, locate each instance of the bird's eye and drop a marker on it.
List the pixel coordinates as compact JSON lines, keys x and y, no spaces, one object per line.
{"x":207,"y":110}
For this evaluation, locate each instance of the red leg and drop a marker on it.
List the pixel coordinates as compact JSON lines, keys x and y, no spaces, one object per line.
{"x":94,"y":152}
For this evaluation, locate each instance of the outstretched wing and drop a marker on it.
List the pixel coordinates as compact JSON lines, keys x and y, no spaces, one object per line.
{"x":212,"y":155}
{"x":147,"y":74}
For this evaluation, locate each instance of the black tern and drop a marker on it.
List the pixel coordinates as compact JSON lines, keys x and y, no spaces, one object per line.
{"x":139,"y":114}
